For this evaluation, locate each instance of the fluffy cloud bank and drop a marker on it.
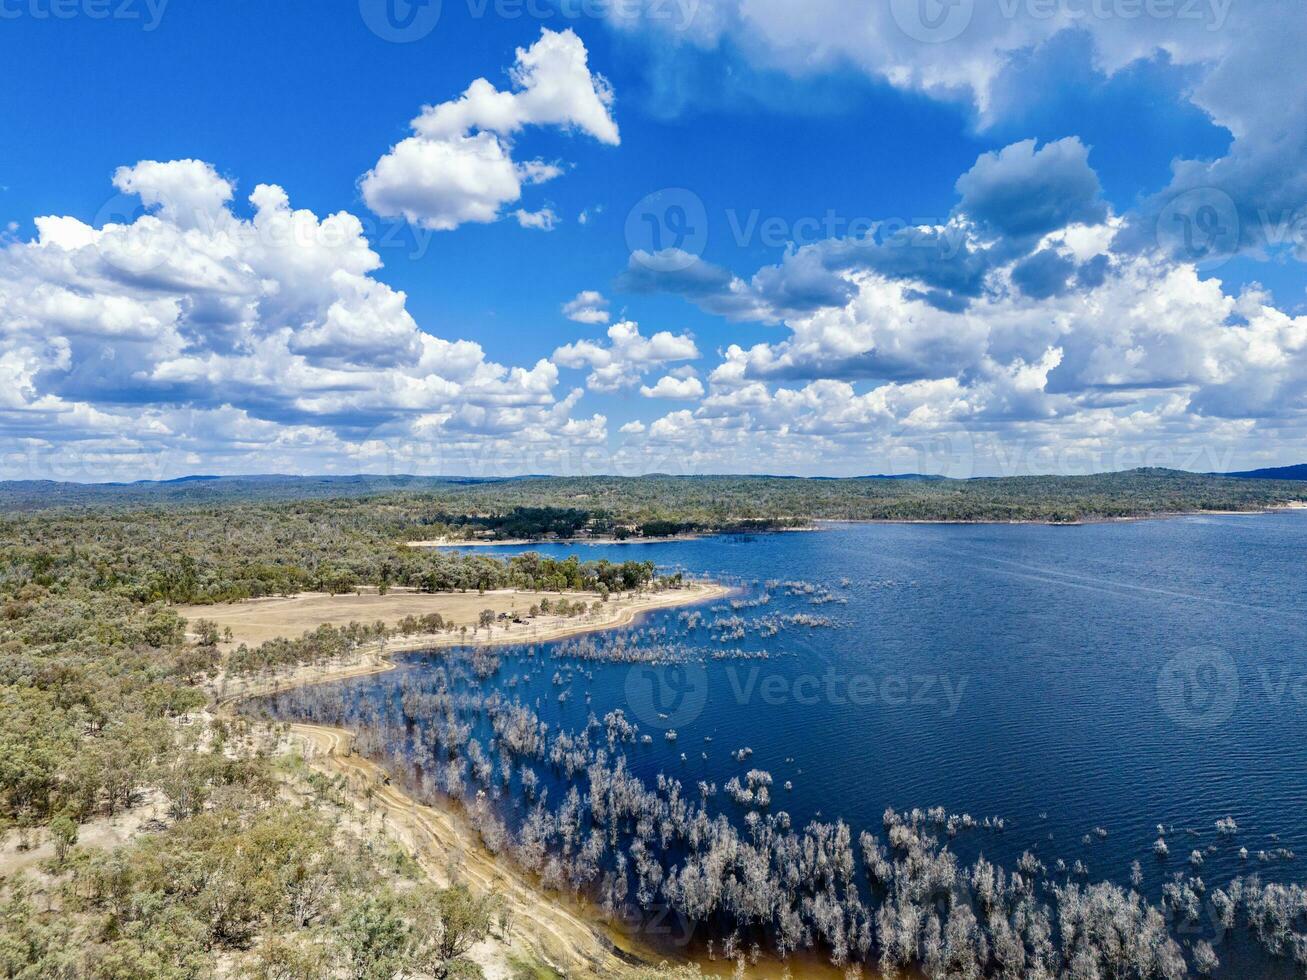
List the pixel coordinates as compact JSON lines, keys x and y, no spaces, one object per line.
{"x":221,"y":334}
{"x":201,"y":335}
{"x":1242,"y":64}
{"x":628,"y":356}
{"x":1016,"y":334}
{"x":1033,"y":321}
{"x":458,"y":165}
{"x":1032,"y":330}
{"x":1009,"y":201}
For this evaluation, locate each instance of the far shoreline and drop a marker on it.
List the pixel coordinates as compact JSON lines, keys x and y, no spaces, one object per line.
{"x":1168,"y":515}
{"x":820,"y":523}
{"x":459,"y":544}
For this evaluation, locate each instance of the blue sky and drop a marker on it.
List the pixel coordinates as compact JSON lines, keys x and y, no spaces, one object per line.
{"x":992,"y":249}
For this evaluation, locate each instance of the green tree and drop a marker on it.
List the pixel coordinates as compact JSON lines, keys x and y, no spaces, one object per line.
{"x":374,"y":938}
{"x":449,"y":922}
{"x":293,"y":957}
{"x":63,"y":831}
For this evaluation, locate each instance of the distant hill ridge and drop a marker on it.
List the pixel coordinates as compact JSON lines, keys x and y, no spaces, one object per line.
{"x":393,"y":481}
{"x":1296,"y":472}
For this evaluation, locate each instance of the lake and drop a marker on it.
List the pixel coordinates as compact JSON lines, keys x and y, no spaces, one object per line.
{"x":1081,"y":684}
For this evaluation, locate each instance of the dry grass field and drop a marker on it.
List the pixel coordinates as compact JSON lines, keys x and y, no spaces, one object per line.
{"x":258,"y":620}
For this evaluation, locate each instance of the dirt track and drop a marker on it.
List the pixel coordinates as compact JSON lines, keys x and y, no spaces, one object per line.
{"x":561,"y":936}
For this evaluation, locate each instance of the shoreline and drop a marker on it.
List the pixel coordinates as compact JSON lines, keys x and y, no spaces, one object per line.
{"x":459,"y":544}
{"x":622,"y":611}
{"x":553,"y":928}
{"x":562,"y":931}
{"x":817,"y":522}
{"x":456,"y":543}
{"x":1169,"y":515}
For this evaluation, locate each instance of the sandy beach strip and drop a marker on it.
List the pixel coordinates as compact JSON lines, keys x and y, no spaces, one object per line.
{"x":258,"y":621}
{"x":458,"y":544}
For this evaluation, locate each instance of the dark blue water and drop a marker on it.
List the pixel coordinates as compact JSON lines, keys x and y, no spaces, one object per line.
{"x":1012,"y":671}
{"x":1114,"y":676}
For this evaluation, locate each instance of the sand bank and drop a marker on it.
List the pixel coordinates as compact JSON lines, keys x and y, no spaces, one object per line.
{"x":259,"y":620}
{"x":535,"y":542}
{"x":577,"y":542}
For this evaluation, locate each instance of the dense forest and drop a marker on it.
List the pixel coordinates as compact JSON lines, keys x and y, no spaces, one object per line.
{"x":246,"y":864}
{"x":226,"y":552}
{"x":722,"y":502}
{"x":399,"y":508}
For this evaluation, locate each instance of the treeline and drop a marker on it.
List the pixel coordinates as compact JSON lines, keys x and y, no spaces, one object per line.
{"x":318,"y":646}
{"x":565,"y":524}
{"x":522,"y":522}
{"x":228,"y":553}
{"x":651,"y":506}
{"x":730,"y":502}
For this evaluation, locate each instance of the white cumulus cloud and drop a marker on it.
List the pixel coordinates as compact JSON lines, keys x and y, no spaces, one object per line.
{"x":627,"y":357}
{"x":194,"y":332}
{"x":587,"y":306}
{"x":542,"y":220}
{"x":678,"y":389}
{"x":458,"y":165}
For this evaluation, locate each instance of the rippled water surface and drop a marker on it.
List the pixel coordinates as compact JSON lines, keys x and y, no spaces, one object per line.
{"x":1111,"y":676}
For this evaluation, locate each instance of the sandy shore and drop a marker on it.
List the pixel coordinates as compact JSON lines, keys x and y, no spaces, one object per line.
{"x":620,"y":610}
{"x":533,"y":542}
{"x":457,"y":543}
{"x":256,"y":621}
{"x":568,"y":935}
